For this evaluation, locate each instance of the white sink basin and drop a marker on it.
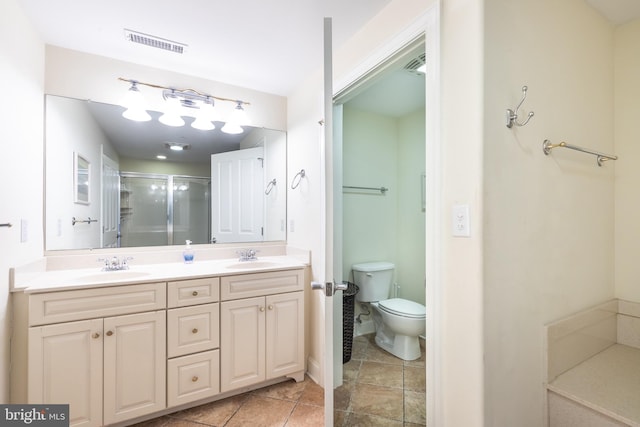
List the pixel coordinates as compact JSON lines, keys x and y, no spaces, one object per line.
{"x":246,"y":265}
{"x":108,"y":276}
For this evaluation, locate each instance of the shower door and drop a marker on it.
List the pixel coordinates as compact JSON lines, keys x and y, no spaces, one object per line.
{"x":159,"y":210}
{"x":143,"y":210}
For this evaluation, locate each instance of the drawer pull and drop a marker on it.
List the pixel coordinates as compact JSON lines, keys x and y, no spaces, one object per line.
{"x":95,"y":335}
{"x":194,"y":379}
{"x":194,"y":293}
{"x":270,"y":307}
{"x":194,"y":330}
{"x":109,"y":333}
{"x":261,"y":308}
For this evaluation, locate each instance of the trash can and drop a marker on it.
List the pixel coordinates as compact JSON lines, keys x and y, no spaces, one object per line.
{"x":348,"y":305}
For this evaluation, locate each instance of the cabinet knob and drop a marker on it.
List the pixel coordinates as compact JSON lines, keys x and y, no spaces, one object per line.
{"x":261,"y":308}
{"x":270,"y":307}
{"x":194,"y":293}
{"x":194,"y":330}
{"x":194,"y":379}
{"x":95,"y":335}
{"x":109,"y":333}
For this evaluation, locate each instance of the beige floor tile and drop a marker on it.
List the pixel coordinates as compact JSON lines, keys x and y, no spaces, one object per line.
{"x":262,"y":412}
{"x":350,"y":370}
{"x":342,"y":396}
{"x":288,"y":390}
{"x":313,"y":394}
{"x":215,"y":413}
{"x":182,"y":423}
{"x":340,"y":419}
{"x":359,"y":348}
{"x":366,"y":420}
{"x":156,"y":422}
{"x":414,"y":379}
{"x":415,"y":407}
{"x":376,"y":354}
{"x":375,"y":400}
{"x":306,"y":416}
{"x":382,"y":374}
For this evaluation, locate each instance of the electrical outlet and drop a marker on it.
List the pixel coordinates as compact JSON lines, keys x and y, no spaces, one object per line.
{"x":460,"y":221}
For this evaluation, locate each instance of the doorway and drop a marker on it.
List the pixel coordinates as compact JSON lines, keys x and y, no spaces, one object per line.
{"x":383,"y":219}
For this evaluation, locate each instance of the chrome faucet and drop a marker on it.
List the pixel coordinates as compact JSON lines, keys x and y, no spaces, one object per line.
{"x":247,"y":254}
{"x":114,"y":263}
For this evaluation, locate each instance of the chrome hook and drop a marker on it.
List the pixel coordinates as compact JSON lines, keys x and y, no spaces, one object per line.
{"x":512,"y":115}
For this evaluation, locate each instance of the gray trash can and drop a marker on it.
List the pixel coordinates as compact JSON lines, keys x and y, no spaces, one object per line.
{"x":348,"y":307}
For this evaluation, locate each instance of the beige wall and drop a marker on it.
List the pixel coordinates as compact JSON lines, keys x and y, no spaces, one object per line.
{"x":627,"y":135}
{"x":21,"y":173}
{"x":549,"y":220}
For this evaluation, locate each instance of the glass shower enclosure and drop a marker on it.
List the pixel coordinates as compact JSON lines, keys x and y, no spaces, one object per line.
{"x":158,"y":210}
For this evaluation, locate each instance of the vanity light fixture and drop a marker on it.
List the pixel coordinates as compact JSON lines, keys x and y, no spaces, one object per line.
{"x":238,"y":116}
{"x":190,"y":102}
{"x":135,"y":105}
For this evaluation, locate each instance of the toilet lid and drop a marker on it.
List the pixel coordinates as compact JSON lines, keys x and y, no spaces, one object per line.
{"x":403,"y":307}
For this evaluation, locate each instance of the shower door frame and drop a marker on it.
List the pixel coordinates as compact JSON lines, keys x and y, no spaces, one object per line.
{"x":170,"y":179}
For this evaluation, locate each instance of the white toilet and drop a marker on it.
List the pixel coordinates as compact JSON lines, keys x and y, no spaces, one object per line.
{"x":398,"y":322}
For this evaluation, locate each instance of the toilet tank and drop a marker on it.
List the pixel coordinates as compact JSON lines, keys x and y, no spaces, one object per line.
{"x":373,"y":280}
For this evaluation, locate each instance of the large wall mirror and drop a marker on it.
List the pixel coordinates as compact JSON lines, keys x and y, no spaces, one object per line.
{"x":143,"y":192}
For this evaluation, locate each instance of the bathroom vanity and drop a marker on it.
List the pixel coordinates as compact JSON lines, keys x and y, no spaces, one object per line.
{"x":120,"y":347}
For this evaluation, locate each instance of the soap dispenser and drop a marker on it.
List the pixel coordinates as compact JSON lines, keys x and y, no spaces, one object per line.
{"x":188,"y":254}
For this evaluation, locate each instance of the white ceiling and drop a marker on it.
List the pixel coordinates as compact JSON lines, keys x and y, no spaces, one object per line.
{"x":267,"y":45}
{"x":617,"y":11}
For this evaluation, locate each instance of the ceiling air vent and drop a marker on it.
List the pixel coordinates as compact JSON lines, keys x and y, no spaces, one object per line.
{"x":417,"y":62}
{"x":153,"y":41}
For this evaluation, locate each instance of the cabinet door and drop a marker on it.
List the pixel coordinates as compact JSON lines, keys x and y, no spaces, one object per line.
{"x":134,"y":365}
{"x":285,"y":334}
{"x":65,"y":366}
{"x":242,"y":341}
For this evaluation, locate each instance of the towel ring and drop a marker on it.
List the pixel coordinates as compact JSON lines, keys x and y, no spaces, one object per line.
{"x":270,"y":186}
{"x":298,"y":176}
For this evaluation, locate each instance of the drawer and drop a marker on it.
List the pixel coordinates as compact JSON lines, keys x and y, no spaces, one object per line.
{"x":190,"y":292}
{"x":193,"y":329}
{"x":64,"y":306}
{"x":259,"y":284}
{"x":193,"y":377}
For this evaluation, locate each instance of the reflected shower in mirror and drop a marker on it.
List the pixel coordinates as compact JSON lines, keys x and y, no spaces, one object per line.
{"x":151,"y":184}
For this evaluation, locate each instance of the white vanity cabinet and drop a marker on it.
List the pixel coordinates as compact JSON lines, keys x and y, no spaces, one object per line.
{"x":107,"y":368}
{"x":193,"y":340}
{"x":262,"y":328}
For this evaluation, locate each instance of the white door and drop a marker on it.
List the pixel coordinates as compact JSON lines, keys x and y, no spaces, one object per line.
{"x":110,"y":202}
{"x":237,"y":204}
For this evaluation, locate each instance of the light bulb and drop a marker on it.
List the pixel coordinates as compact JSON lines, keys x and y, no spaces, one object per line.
{"x":135,"y":106}
{"x":172,"y":116}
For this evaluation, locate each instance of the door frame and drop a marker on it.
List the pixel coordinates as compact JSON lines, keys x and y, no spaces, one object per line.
{"x":428,"y":26}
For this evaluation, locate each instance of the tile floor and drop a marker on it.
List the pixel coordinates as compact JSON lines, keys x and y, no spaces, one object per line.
{"x":379,"y":390}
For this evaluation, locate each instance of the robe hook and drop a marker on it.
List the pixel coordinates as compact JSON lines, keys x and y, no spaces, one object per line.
{"x":512,"y":115}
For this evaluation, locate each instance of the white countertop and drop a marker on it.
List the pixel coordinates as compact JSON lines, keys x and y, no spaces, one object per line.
{"x":608,"y":382}
{"x":60,"y":280}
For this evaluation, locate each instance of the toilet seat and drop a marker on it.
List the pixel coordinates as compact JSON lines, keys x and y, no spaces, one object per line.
{"x":403,"y":307}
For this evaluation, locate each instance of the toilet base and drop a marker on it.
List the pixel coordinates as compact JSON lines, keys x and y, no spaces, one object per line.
{"x":401,"y":346}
